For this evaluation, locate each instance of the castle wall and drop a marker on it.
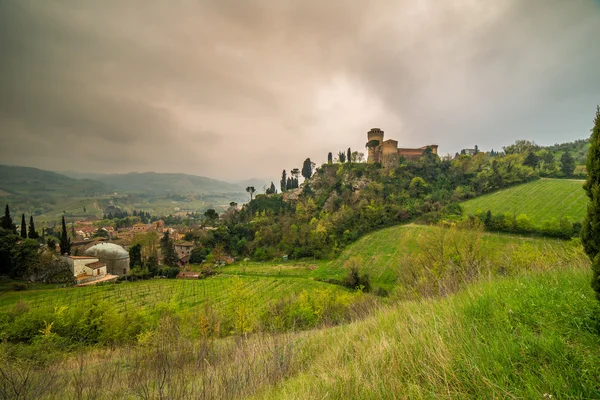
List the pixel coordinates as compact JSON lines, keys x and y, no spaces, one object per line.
{"x":388,"y":153}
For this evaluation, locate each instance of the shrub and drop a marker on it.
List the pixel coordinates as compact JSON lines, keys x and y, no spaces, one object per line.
{"x":18,"y":286}
{"x":354,"y":279}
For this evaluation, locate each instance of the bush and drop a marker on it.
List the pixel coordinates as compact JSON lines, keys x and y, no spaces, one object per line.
{"x":169,"y":272}
{"x":354,"y":279}
{"x":18,"y":286}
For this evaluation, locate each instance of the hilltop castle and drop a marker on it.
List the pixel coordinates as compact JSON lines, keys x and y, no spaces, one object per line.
{"x":387,"y":152}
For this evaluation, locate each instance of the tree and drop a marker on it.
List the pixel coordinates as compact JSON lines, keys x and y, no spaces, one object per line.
{"x":198,"y":255}
{"x":23,"y":227}
{"x":283,"y":181}
{"x":168,"y":250}
{"x":211,"y":215}
{"x":51,"y":243}
{"x":548,"y":161}
{"x":135,"y":256}
{"x":32,"y":232}
{"x":7,"y":222}
{"x":271,"y":189}
{"x":307,"y":168}
{"x":295,"y":174}
{"x":357,"y":157}
{"x":417,"y":186}
{"x":372,"y":144}
{"x":349,"y":155}
{"x":251,"y":190}
{"x":329,"y":158}
{"x":520,"y":146}
{"x":590,"y":232}
{"x":342,"y":156}
{"x":532,"y":160}
{"x":65,"y":242}
{"x":567,"y":164}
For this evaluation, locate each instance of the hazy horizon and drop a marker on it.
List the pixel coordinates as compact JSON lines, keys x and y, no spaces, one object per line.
{"x":235,"y":90}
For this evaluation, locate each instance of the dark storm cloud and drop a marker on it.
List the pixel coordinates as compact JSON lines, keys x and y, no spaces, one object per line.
{"x":234,"y":89}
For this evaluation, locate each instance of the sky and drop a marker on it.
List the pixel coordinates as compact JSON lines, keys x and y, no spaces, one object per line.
{"x":238,"y":89}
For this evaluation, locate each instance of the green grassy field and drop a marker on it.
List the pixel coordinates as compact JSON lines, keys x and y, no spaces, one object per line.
{"x":539,"y":200}
{"x":530,"y":336}
{"x":185,"y":294}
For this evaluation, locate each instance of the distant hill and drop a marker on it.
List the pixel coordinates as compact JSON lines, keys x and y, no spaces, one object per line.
{"x":50,"y":195}
{"x":152,"y":182}
{"x":17,"y":181}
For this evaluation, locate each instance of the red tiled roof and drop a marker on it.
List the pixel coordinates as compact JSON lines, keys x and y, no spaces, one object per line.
{"x":96,"y":265}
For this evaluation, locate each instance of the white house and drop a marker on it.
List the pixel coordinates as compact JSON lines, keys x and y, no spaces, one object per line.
{"x":78,"y":263}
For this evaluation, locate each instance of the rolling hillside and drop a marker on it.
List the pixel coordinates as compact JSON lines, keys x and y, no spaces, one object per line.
{"x":540,"y":200}
{"x":28,"y":181}
{"x":383,"y":253}
{"x":152,"y":182}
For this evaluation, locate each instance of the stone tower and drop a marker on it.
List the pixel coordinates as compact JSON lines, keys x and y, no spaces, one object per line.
{"x":389,"y":154}
{"x":373,"y":135}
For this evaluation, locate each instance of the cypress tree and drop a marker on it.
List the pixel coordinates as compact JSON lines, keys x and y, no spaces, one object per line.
{"x":168,"y":250}
{"x":7,"y":222}
{"x":32,"y":232}
{"x":307,"y":168}
{"x":590,"y":231}
{"x":23,"y":227}
{"x":349,"y":156}
{"x":330,"y":158}
{"x":65,"y":242}
{"x":283,"y":182}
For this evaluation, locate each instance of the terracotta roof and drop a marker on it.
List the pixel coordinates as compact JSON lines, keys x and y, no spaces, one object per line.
{"x":96,"y":265}
{"x":81,"y":257}
{"x":185,"y":244}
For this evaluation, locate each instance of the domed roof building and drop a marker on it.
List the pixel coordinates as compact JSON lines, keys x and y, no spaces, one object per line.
{"x":114,"y":256}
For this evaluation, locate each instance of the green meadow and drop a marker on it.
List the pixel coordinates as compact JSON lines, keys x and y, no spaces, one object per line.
{"x":540,"y":200}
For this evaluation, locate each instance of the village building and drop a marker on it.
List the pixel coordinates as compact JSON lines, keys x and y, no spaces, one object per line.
{"x":115,"y":257}
{"x":140,"y":228}
{"x":87,"y":269}
{"x":78,"y":263}
{"x":85,"y":231}
{"x":184,"y":249}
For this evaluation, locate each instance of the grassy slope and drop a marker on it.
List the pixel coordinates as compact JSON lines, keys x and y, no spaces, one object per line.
{"x":539,"y":200}
{"x":522,"y":337}
{"x":381,"y":252}
{"x":518,"y":337}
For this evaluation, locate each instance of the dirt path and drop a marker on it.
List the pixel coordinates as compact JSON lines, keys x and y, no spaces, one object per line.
{"x":107,"y":278}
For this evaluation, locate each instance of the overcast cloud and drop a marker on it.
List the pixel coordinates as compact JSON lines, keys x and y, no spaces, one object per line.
{"x":240,"y":89}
